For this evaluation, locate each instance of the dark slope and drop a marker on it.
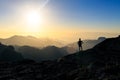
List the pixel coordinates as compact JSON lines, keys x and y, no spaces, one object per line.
{"x":47,"y":53}
{"x":108,"y":49}
{"x":99,"y":63}
{"x":7,"y":53}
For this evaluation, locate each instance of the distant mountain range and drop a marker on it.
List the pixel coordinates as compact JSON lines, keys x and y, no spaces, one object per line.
{"x":19,"y":41}
{"x":102,"y":62}
{"x":30,"y":41}
{"x":47,"y":53}
{"x":18,"y":53}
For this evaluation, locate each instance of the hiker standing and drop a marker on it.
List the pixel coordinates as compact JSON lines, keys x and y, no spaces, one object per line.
{"x":80,"y":42}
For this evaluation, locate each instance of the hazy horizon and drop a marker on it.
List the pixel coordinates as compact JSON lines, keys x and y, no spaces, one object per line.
{"x":65,"y":20}
{"x":72,"y":38}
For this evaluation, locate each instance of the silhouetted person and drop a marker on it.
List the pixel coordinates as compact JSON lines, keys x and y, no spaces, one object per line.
{"x":80,"y":44}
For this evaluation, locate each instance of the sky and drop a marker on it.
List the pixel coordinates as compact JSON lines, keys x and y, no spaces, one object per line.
{"x":60,"y":19}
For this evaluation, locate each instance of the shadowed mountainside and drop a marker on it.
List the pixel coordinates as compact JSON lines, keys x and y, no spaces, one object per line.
{"x":106,"y":49}
{"x":7,"y":53}
{"x":47,"y":53}
{"x":102,"y":62}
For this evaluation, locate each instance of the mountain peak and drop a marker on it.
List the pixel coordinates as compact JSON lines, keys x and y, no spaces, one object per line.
{"x":32,"y":37}
{"x":101,"y":38}
{"x":109,"y":44}
{"x":16,"y":36}
{"x":30,"y":41}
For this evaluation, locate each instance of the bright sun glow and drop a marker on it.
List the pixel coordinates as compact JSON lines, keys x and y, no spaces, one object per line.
{"x":34,"y":21}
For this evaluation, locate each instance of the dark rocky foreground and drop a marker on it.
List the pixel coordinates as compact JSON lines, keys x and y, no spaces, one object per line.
{"x":59,"y":71}
{"x":102,"y":62}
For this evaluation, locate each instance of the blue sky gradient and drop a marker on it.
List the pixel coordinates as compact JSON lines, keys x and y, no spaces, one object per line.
{"x":96,"y":14}
{"x":89,"y":11}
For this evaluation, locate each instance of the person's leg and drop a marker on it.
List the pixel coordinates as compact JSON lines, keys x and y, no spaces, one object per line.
{"x":81,"y":48}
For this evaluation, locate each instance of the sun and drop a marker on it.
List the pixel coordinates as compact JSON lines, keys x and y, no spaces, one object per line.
{"x":34,"y":18}
{"x":34,"y":21}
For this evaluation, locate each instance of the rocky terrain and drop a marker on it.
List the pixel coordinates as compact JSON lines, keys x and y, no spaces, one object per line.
{"x":102,"y":62}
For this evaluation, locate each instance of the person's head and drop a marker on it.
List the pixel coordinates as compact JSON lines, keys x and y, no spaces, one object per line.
{"x":79,"y":39}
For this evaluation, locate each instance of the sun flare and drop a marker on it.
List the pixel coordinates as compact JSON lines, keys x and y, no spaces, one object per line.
{"x":34,"y":21}
{"x":34,"y":18}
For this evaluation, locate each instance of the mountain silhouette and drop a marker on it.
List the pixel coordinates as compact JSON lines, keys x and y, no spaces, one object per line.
{"x":102,"y":62}
{"x":47,"y":53}
{"x":30,"y":41}
{"x":107,"y":49}
{"x":7,"y":53}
